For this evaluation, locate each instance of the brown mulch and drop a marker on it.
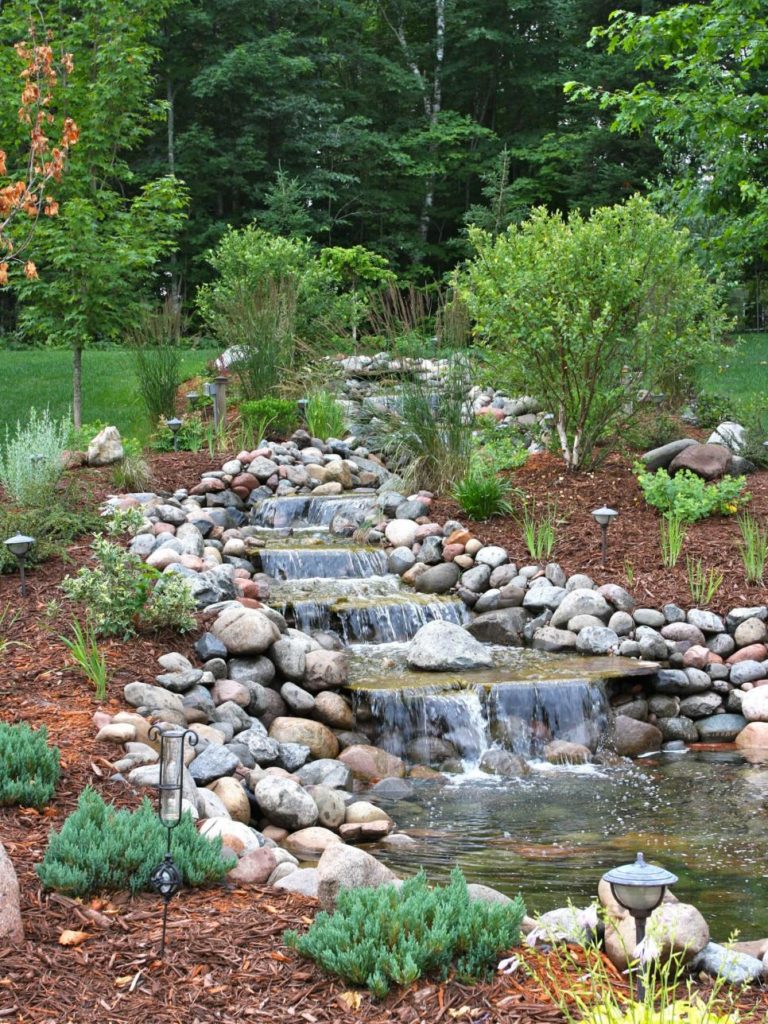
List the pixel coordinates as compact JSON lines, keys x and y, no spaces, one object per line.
{"x":633,"y":537}
{"x":225,"y":961}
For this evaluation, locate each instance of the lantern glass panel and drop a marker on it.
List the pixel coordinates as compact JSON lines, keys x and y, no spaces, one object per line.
{"x":171,"y":771}
{"x":638,"y":897}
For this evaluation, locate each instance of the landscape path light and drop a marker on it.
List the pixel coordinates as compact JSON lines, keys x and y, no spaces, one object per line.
{"x":174,"y":425}
{"x":166,"y":878}
{"x":603,"y":517}
{"x":19,"y":546}
{"x":37,"y":458}
{"x":639,"y":888}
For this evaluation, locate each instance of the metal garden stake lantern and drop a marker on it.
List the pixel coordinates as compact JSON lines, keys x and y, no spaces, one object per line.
{"x":604,"y":517}
{"x":166,"y":879}
{"x":639,"y":888}
{"x":174,"y":425}
{"x":19,"y":546}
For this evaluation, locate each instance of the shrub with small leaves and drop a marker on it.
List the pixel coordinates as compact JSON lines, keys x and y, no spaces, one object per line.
{"x":101,"y":848}
{"x":29,"y":768}
{"x":379,"y":936}
{"x":688,"y":498}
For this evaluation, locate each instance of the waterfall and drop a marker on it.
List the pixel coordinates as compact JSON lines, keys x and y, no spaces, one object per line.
{"x":277,"y":513}
{"x":322,"y":563}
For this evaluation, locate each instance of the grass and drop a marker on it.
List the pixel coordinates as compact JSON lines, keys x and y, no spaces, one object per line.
{"x":742,"y":370}
{"x":43,"y":378}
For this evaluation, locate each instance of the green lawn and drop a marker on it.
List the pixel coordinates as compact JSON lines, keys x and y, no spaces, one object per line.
{"x":43,"y":378}
{"x":742,"y":370}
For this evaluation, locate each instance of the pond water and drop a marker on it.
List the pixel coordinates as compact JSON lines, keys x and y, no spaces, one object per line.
{"x":552,"y":835}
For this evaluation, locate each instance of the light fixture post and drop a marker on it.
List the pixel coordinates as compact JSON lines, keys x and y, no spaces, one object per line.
{"x":19,"y":545}
{"x":174,"y":425}
{"x":604,"y":517}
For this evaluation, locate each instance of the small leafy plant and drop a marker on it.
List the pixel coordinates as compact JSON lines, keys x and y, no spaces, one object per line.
{"x":86,"y":654}
{"x":101,"y":848}
{"x":379,"y":936}
{"x":123,"y":520}
{"x":685,"y":496}
{"x":29,"y":768}
{"x":262,"y":414}
{"x":324,"y":416}
{"x":539,"y":529}
{"x":753,"y":548}
{"x":124,"y":594}
{"x":702,"y":583}
{"x":672,"y":537}
{"x":483,"y":495}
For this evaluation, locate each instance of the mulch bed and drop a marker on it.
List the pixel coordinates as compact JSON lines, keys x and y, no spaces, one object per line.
{"x":226,"y":961}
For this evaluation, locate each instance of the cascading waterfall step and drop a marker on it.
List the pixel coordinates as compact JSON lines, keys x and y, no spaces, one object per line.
{"x":306,"y":510}
{"x":340,"y":562}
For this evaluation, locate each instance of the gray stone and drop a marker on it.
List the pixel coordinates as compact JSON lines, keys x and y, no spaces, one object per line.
{"x":400,"y":560}
{"x":105,"y":448}
{"x":621,"y":623}
{"x":257,"y":670}
{"x":708,"y":461}
{"x":325,"y":670}
{"x":179,"y":682}
{"x":331,"y":806}
{"x":555,"y":573}
{"x":504,"y":626}
{"x":738,"y":615}
{"x":707,"y":622}
{"x":289,"y":657}
{"x":680,"y":728}
{"x":664,"y":707}
{"x":685,"y":631}
{"x":485,"y":894}
{"x":346,"y":867}
{"x":492,"y":556}
{"x":679,"y":683}
{"x":637,"y":709}
{"x":438,"y":579}
{"x":733,"y":967}
{"x":264,"y":750}
{"x":293,"y":756}
{"x":477,"y":578}
{"x":208,"y":646}
{"x":580,"y":581}
{"x":632,"y":737}
{"x":597,"y":640}
{"x":431,"y":552}
{"x":140,"y":694}
{"x":503,"y":575}
{"x":721,"y":728}
{"x":620,"y":598}
{"x":673,"y":613}
{"x":546,"y":638}
{"x":649,"y":617}
{"x":660,"y":458}
{"x":232,"y":713}
{"x":304,"y":881}
{"x":245,"y":630}
{"x":729,"y":434}
{"x":539,"y":597}
{"x":442,"y":646}
{"x":748,"y":671}
{"x":750,"y":631}
{"x":584,"y":622}
{"x":214,"y":762}
{"x":699,"y":705}
{"x":722,"y":644}
{"x":326,"y":772}
{"x":581,"y":602}
{"x":285,"y":803}
{"x":503,"y":763}
{"x":652,"y":648}
{"x":488,"y":602}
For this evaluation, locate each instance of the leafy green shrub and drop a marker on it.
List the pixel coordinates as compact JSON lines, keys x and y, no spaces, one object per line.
{"x":31,"y":458}
{"x":280,"y":415}
{"x":191,"y":435}
{"x":565,"y":306}
{"x":29,"y":768}
{"x":483,"y":495}
{"x":687,"y":497}
{"x":54,"y":526}
{"x":101,"y":848}
{"x":711,"y":410}
{"x":379,"y":936}
{"x":155,"y":340}
{"x":651,"y":429}
{"x":501,"y":451}
{"x":324,"y":416}
{"x":123,"y":594}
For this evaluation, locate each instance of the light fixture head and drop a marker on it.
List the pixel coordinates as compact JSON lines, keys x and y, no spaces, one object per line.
{"x":37,"y":458}
{"x":603,"y":516}
{"x":639,"y":887}
{"x":173,"y":424}
{"x":192,"y":397}
{"x":19,"y":545}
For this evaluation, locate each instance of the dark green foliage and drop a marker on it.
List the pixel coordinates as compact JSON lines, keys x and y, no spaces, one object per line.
{"x":155,"y":339}
{"x":276,"y":415}
{"x":483,"y":494}
{"x":714,"y":409}
{"x":55,"y":527}
{"x":29,"y":768}
{"x":379,"y":936}
{"x":101,"y":848}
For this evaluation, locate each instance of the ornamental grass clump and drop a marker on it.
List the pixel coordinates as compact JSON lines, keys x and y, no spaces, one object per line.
{"x":324,"y":416}
{"x":29,"y":767}
{"x":482,"y":495}
{"x":101,"y":848}
{"x":377,"y":937}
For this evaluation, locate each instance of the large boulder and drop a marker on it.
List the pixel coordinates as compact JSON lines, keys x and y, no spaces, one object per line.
{"x":245,"y":630}
{"x":369,"y":763}
{"x":660,"y":458}
{"x":318,"y":737}
{"x":106,"y":448}
{"x":285,"y":803}
{"x":442,"y":646}
{"x":438,"y":579}
{"x":730,"y":965}
{"x":708,"y":461}
{"x":346,"y":867}
{"x":325,"y":670}
{"x":633,"y":738}
{"x":675,"y":931}
{"x":11,"y":928}
{"x":503,"y":626}
{"x":754,"y":704}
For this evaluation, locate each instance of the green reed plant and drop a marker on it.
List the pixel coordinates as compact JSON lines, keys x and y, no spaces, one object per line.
{"x":85,"y":652}
{"x":31,"y":458}
{"x":629,"y":572}
{"x":539,"y":526}
{"x":483,"y":495}
{"x":672,"y":533}
{"x":29,"y":767}
{"x":155,"y":340}
{"x":703,"y":584}
{"x":753,"y":548}
{"x":324,"y":416}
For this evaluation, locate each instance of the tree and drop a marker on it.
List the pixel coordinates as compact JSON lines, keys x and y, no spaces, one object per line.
{"x":357,"y":268}
{"x":98,"y":257}
{"x":705,"y":99}
{"x":585,"y":313}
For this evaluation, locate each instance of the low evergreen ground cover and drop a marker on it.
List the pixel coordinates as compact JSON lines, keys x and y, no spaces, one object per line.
{"x":29,"y":767}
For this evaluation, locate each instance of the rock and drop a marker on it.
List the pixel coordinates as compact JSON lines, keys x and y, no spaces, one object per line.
{"x":211,"y":806}
{"x":720,"y":728}
{"x":729,"y":434}
{"x":298,"y":700}
{"x":401,"y":532}
{"x":225,"y":690}
{"x":675,"y":931}
{"x":751,"y":631}
{"x":234,"y":834}
{"x":633,"y":738}
{"x":309,"y":843}
{"x":245,"y":630}
{"x":683,"y":631}
{"x":212,"y":763}
{"x":11,"y":927}
{"x":442,"y":646}
{"x":332,"y":710}
{"x":681,"y":683}
{"x":304,"y":881}
{"x":252,"y":670}
{"x":288,"y":657}
{"x":547,"y":638}
{"x":660,"y":458}
{"x":649,"y":617}
{"x":156,"y":697}
{"x":707,"y":622}
{"x":492,"y":555}
{"x":680,"y":728}
{"x":485,"y":894}
{"x":326,"y":772}
{"x":325,"y":670}
{"x":733,"y":967}
{"x":708,"y":461}
{"x":331,"y":806}
{"x":117,"y":732}
{"x":748,"y":672}
{"x":753,"y":736}
{"x":293,"y":755}
{"x":753,"y":652}
{"x":597,"y":640}
{"x":345,"y":867}
{"x":699,"y":705}
{"x":438,"y":579}
{"x":400,"y":560}
{"x":477,"y":578}
{"x":318,"y":737}
{"x":504,"y":626}
{"x":285,"y":803}
{"x":754,"y":704}
{"x":105,"y":448}
{"x":370,"y":763}
{"x":254,"y":868}
{"x":503,"y":763}
{"x":565,"y":752}
{"x":580,"y":602}
{"x":232,"y":795}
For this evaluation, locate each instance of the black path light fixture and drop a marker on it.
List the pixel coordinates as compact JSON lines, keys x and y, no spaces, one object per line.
{"x":639,"y":888}
{"x":166,"y":878}
{"x":174,"y":425}
{"x":19,"y":545}
{"x":604,"y":517}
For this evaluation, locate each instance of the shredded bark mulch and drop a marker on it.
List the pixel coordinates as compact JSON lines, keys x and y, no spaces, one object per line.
{"x":225,"y":959}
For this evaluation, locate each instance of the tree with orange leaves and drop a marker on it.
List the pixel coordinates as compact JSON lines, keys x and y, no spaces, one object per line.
{"x":27,"y":197}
